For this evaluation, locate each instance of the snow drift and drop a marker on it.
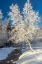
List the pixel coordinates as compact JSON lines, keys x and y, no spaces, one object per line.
{"x":29,"y":57}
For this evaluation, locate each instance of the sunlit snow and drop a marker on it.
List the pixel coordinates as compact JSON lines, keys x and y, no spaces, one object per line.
{"x":29,"y":57}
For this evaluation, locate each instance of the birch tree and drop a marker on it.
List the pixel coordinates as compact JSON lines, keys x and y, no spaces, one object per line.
{"x":26,"y":25}
{"x":31,"y":19}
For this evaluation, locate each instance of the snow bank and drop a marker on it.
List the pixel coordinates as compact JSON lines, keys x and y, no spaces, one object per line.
{"x":29,"y":57}
{"x":4,"y":52}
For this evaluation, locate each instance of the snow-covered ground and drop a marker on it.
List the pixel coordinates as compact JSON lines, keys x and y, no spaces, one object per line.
{"x":29,"y":57}
{"x":5,"y":51}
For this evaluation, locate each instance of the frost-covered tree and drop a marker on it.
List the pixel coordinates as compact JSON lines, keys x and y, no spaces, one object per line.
{"x":26,"y":25}
{"x":3,"y":29}
{"x":9,"y":26}
{"x":15,"y":14}
{"x":31,"y":19}
{"x":1,"y":16}
{"x":8,"y":29}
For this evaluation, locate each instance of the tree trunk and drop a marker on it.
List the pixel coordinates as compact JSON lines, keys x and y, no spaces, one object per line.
{"x":30,"y":45}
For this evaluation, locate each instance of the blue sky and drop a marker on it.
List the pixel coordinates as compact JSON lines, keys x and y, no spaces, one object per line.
{"x":4,"y":6}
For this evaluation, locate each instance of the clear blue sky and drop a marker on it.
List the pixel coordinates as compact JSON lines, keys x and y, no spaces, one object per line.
{"x":37,"y":5}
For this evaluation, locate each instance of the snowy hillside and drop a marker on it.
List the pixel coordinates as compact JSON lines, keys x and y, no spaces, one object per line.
{"x":31,"y":57}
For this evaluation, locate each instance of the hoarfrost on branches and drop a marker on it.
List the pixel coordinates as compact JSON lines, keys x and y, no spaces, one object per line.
{"x":3,"y":29}
{"x":26,"y":23}
{"x":15,"y":14}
